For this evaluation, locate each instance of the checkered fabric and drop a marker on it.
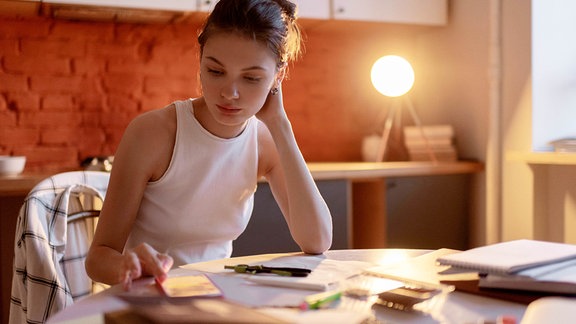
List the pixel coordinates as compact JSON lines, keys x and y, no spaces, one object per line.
{"x":53,"y":233}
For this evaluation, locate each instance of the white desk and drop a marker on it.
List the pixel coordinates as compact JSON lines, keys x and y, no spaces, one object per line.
{"x":456,"y":307}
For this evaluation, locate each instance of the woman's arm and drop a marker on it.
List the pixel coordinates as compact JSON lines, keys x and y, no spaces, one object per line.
{"x":143,"y":155}
{"x":294,"y":189}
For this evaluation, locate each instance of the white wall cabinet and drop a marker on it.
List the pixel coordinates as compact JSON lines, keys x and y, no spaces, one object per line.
{"x":313,"y":9}
{"x":206,"y":5}
{"x":423,"y":12}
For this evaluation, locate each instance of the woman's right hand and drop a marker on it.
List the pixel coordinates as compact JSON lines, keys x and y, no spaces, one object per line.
{"x":143,"y":260}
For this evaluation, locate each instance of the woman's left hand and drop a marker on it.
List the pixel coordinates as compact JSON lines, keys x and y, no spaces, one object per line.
{"x":273,"y":107}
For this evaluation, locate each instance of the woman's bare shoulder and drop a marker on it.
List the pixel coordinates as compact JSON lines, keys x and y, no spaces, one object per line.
{"x":163,"y":119}
{"x":149,"y":141}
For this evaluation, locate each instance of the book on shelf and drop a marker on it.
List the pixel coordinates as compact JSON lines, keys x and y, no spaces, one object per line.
{"x":430,"y":142}
{"x":510,"y":257}
{"x":421,"y":143}
{"x":429,"y":131}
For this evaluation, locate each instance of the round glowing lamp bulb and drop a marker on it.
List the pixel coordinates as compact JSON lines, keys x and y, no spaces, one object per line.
{"x":392,"y":75}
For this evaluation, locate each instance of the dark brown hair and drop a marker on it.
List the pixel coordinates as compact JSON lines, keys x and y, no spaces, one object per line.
{"x":271,"y":22}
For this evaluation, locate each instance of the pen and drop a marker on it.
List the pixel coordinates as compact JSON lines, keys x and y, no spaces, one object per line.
{"x":317,"y":301}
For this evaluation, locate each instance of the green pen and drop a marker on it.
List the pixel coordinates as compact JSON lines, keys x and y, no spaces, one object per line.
{"x":320,"y":300}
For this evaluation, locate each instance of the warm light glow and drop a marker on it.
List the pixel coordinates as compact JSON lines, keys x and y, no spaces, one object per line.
{"x":392,"y":75}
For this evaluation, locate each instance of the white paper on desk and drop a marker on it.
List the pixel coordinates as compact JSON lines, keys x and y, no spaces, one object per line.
{"x":325,"y":272}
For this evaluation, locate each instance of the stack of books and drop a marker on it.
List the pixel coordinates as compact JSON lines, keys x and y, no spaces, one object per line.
{"x":520,"y":265}
{"x":426,"y":143}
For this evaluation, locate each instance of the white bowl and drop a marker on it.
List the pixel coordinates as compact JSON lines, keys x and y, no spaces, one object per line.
{"x":11,"y":165}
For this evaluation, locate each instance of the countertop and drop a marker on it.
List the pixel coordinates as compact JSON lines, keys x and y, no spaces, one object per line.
{"x":20,"y":185}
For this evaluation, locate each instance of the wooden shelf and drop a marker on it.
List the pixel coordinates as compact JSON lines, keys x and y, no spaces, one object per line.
{"x":370,"y":170}
{"x":551,"y":158}
{"x":22,"y":184}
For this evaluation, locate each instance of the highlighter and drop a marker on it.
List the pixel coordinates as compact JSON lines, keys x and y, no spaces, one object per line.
{"x":320,"y":300}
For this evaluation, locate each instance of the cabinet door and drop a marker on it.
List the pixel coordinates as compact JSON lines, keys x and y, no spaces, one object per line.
{"x":268,"y":232}
{"x":313,"y":9}
{"x":206,"y":5}
{"x":425,"y":12}
{"x":428,"y":212}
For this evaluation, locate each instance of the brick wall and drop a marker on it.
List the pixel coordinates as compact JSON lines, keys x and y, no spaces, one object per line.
{"x":68,"y":89}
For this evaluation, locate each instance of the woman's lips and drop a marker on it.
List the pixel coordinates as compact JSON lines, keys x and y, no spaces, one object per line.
{"x":228,"y":109}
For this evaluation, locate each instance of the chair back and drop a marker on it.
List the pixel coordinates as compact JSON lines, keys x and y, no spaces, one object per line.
{"x":54,"y":231}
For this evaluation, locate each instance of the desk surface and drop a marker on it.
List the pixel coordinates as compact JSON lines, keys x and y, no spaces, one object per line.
{"x":455,"y":307}
{"x":20,"y":185}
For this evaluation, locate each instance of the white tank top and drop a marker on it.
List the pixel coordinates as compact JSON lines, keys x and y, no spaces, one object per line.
{"x":204,"y":199}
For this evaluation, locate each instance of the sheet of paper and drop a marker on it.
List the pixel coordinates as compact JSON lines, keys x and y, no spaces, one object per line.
{"x":325,"y":272}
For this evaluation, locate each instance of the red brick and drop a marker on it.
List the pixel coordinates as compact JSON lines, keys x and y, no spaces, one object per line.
{"x":17,"y":136}
{"x":91,"y":119}
{"x":91,"y":101}
{"x":83,"y":31}
{"x":121,"y":103}
{"x":155,"y":101}
{"x":121,"y":66}
{"x":91,"y":141}
{"x":8,"y":46}
{"x":117,"y":120}
{"x":49,"y":157}
{"x":184,"y":68}
{"x":23,"y":101}
{"x":39,"y":65}
{"x":21,"y":28}
{"x":154,"y":85}
{"x":115,"y":50}
{"x":59,"y":48}
{"x":11,"y":82}
{"x":88,"y":66}
{"x":50,"y":119}
{"x":3,"y":104}
{"x":134,"y":33}
{"x":58,"y":102}
{"x":61,"y":135}
{"x":62,"y":84}
{"x":7,"y":119}
{"x":113,"y":137}
{"x":123,"y":83}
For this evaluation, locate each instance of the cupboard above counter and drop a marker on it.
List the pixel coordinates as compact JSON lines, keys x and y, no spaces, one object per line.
{"x":419,"y":12}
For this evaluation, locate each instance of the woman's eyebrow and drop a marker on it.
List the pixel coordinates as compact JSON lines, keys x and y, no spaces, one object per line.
{"x":255,"y":67}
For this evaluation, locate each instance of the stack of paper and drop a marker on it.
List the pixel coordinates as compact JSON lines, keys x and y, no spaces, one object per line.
{"x":526,"y":265}
{"x":432,"y":141}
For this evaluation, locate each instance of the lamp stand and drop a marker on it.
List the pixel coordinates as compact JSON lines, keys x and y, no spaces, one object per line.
{"x":396,"y":105}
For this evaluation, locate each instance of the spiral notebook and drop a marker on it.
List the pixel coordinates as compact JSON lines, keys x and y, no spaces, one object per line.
{"x":510,"y":257}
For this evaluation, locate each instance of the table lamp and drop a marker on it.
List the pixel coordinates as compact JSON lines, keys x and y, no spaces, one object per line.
{"x":393,"y":77}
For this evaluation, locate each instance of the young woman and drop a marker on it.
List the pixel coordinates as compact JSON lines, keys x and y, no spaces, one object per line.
{"x":184,"y":177}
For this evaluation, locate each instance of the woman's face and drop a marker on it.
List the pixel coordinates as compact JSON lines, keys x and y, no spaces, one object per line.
{"x":237,"y":74}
